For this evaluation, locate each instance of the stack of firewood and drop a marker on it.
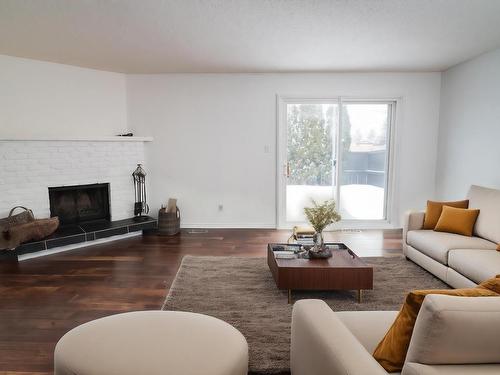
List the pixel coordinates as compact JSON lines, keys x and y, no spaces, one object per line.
{"x":23,"y":227}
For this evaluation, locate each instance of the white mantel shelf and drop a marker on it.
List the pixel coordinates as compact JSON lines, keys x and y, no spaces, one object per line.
{"x":83,"y":139}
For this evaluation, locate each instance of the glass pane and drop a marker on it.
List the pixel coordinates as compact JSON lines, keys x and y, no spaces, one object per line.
{"x":311,"y":132}
{"x":364,"y":148}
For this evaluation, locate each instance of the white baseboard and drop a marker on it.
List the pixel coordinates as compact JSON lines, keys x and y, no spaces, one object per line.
{"x":227,"y":226}
{"x":61,"y":249}
{"x":349,"y":225}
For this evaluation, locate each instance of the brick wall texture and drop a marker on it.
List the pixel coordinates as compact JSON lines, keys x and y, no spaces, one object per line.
{"x":28,"y":168}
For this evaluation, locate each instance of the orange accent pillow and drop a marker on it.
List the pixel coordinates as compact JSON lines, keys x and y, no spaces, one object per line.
{"x":391,"y":351}
{"x":457,"y":220}
{"x":498,"y":247}
{"x":433,"y":211}
{"x":491,"y":284}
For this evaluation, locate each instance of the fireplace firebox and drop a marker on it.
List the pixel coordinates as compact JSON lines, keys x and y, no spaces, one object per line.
{"x":80,"y":203}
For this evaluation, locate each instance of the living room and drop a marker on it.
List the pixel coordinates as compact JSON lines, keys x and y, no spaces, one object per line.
{"x":268,"y":187}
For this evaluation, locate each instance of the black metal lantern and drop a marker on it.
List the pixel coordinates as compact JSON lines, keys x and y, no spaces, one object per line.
{"x":140,"y":205}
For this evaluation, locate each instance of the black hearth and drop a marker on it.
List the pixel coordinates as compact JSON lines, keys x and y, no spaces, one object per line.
{"x":79,"y":204}
{"x":84,"y":212}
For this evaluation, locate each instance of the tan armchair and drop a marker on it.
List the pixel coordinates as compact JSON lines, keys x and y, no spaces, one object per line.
{"x":452,"y":335}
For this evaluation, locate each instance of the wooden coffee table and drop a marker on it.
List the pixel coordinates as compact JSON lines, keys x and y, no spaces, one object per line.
{"x":343,"y":271}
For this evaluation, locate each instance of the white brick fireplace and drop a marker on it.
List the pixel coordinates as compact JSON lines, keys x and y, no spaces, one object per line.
{"x":29,"y":167}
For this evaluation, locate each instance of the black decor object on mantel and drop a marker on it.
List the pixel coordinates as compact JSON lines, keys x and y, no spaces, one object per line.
{"x":140,"y":205}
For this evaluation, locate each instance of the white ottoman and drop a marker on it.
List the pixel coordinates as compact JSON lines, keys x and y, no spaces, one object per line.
{"x":150,"y":343}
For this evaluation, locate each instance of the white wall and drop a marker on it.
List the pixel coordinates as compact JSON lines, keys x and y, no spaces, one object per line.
{"x":211,"y":132}
{"x":215,"y":135}
{"x":469,"y":146}
{"x":41,"y":99}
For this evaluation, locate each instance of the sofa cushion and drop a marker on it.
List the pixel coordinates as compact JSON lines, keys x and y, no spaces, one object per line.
{"x":412,"y":368}
{"x":476,"y":265}
{"x":456,"y":330}
{"x":437,"y":244}
{"x":488,"y":202}
{"x":368,"y":326}
{"x":391,"y":351}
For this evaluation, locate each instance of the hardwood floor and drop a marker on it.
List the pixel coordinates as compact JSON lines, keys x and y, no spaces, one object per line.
{"x":43,"y":298}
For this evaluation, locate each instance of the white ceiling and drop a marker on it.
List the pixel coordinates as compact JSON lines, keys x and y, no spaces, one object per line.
{"x":162,"y":36}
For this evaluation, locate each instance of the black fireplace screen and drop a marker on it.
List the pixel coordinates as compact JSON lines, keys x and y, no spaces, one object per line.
{"x":76,"y":204}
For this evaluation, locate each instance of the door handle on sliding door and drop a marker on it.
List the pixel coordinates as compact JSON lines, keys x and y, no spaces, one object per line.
{"x":287,"y":169}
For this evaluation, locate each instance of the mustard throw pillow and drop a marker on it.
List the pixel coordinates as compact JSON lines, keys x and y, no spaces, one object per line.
{"x":433,"y":211}
{"x":457,"y":220}
{"x":391,"y":351}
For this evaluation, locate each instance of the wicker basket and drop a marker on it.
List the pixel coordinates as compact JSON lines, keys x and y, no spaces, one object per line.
{"x":12,"y":220}
{"x":169,"y":223}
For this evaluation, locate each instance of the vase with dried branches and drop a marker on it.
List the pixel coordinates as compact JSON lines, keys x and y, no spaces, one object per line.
{"x":320,"y":216}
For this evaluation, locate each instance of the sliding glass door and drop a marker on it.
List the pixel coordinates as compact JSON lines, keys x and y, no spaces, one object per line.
{"x":310,"y":155}
{"x":334,"y":149}
{"x":364,"y":159}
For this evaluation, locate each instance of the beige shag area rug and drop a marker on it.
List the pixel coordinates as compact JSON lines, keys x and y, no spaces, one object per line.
{"x":242,"y":292}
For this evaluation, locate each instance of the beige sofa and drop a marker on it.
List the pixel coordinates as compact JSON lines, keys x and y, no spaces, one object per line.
{"x":458,"y":260}
{"x":448,"y":338}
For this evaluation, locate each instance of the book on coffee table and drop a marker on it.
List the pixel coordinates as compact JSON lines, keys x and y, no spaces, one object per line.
{"x":284,"y":254}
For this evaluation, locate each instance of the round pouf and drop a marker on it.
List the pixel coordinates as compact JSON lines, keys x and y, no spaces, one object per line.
{"x":150,"y":343}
